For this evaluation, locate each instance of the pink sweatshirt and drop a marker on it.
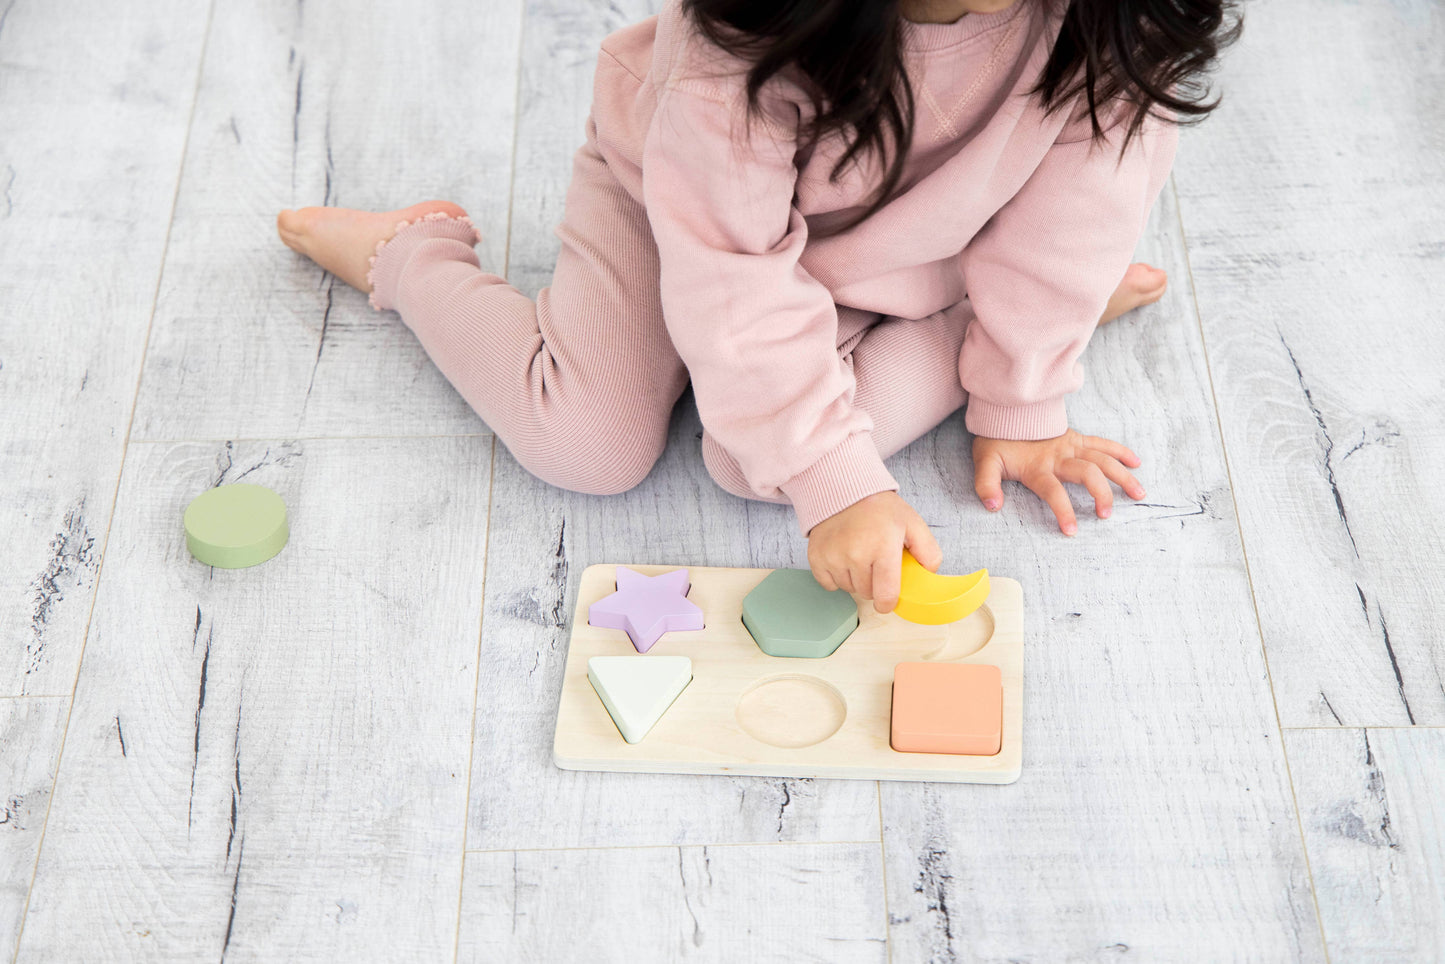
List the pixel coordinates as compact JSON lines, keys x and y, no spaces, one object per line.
{"x":1019,"y":212}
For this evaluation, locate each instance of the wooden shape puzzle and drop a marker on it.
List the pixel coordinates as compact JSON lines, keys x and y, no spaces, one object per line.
{"x":789,"y":614}
{"x":934,"y":600}
{"x":750,"y":714}
{"x":637,"y":691}
{"x":645,"y":607}
{"x":947,"y":708}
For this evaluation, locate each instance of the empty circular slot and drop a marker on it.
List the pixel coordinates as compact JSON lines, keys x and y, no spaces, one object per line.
{"x":791,"y":711}
{"x":967,"y":636}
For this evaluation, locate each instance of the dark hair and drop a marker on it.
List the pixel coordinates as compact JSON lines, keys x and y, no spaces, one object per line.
{"x":1134,"y":54}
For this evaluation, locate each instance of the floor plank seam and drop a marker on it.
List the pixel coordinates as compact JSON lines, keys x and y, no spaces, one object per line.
{"x":491,"y":481}
{"x":304,"y":438}
{"x":1342,"y":727}
{"x":695,"y":844}
{"x":476,"y":698}
{"x":883,"y":867}
{"x":491,"y":487}
{"x":1248,"y":572}
{"x":119,"y":474}
{"x":516,"y":130}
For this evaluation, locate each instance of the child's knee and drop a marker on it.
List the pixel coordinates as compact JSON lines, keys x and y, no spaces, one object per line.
{"x":597,"y":463}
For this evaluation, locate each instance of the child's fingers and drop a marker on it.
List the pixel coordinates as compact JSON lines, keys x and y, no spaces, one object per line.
{"x":825,"y":578}
{"x":1109,"y":447}
{"x":1047,"y":487}
{"x":1115,"y":472}
{"x":861,"y":577}
{"x":918,"y":539}
{"x":988,"y":482}
{"x":1091,"y":477}
{"x":887,"y":574}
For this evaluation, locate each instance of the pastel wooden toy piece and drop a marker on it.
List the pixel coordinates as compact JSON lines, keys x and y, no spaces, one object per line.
{"x":933,"y":600}
{"x":638,"y":691}
{"x":235,"y":526}
{"x":645,"y":607}
{"x":789,"y":614}
{"x":947,"y":708}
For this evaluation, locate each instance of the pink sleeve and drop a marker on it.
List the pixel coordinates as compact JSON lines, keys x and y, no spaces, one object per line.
{"x":1040,"y":273}
{"x":756,"y":331}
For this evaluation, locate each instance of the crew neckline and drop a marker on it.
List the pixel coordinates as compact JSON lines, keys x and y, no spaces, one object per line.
{"x":937,"y":36}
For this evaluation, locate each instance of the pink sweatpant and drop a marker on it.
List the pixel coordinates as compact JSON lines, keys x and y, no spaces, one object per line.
{"x":580,"y":384}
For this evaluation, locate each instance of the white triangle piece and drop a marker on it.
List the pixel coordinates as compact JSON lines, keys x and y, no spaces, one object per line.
{"x":637,"y":690}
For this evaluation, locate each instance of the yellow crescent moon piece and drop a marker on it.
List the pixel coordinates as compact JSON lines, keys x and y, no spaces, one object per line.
{"x":927,"y":598}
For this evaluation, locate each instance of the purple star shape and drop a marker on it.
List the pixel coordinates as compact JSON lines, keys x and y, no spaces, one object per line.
{"x":645,"y":607}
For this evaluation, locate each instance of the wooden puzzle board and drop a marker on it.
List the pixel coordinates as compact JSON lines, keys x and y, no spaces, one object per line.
{"x":748,"y":713}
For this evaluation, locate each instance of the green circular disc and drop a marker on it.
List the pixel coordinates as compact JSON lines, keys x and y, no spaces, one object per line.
{"x":234,"y":526}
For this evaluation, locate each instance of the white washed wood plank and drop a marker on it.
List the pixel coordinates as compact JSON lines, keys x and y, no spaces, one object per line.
{"x":94,"y":101}
{"x":1371,"y":805}
{"x":780,"y":902}
{"x":1314,"y":203}
{"x":30,"y":733}
{"x":542,"y":539}
{"x":293,"y":780}
{"x":373,"y":106}
{"x":1153,"y":816}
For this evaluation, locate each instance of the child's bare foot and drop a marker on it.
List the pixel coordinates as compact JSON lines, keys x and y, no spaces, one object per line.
{"x":1142,"y":285}
{"x":342,"y":240}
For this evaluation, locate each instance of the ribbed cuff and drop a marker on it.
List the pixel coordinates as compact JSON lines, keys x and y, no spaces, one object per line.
{"x":850,"y":472}
{"x":1018,"y":423}
{"x":391,"y":255}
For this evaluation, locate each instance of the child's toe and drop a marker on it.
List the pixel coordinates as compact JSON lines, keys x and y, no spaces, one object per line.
{"x":289,"y":225}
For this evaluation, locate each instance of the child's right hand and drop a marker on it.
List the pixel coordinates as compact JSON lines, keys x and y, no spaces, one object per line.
{"x":860,"y":549}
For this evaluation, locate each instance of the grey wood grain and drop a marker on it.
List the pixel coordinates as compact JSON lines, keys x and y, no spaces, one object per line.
{"x":310,"y":804}
{"x":1153,"y":817}
{"x":781,"y":902}
{"x":31,"y":729}
{"x":292,"y":781}
{"x":94,"y":102}
{"x":1371,"y":805}
{"x":1314,"y":203}
{"x":375,"y":106}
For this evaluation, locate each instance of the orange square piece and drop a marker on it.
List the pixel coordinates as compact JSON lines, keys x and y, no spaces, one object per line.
{"x":947,"y":708}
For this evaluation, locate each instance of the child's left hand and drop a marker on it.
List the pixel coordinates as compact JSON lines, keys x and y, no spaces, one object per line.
{"x":1045,"y":465}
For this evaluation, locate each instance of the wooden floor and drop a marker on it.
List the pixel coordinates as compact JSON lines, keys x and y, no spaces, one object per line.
{"x":1235,"y":715}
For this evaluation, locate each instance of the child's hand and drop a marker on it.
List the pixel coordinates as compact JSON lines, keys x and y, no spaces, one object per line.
{"x":861,"y":548}
{"x":1045,"y":465}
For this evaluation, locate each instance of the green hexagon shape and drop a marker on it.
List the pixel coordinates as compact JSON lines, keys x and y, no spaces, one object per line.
{"x":789,"y":614}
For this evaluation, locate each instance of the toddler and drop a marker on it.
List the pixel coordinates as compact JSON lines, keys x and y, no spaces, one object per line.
{"x":841,"y":220}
